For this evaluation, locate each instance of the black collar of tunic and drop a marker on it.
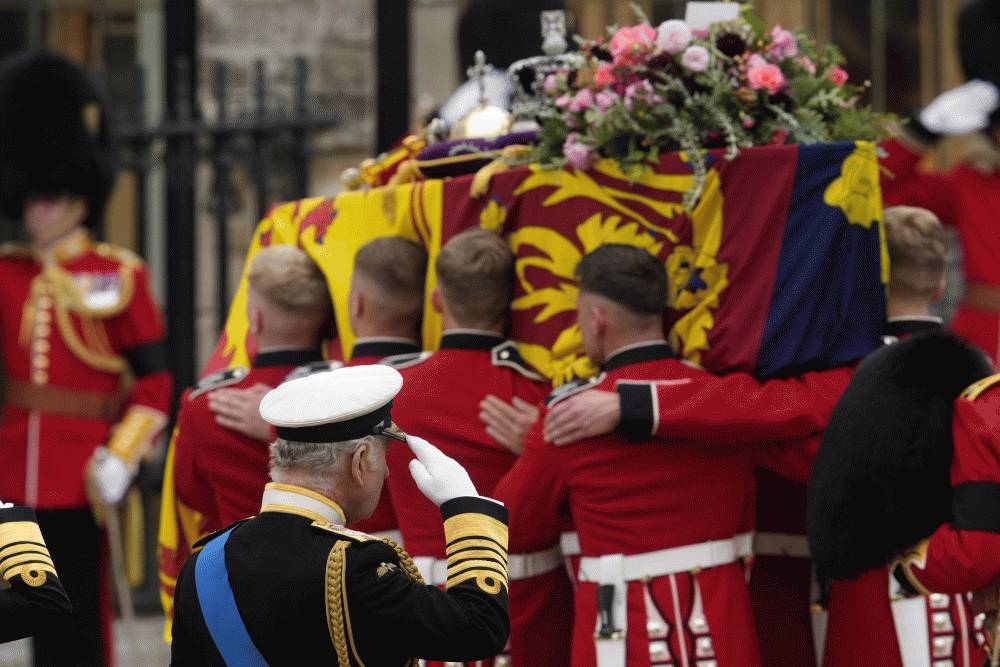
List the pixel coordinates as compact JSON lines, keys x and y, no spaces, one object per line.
{"x":383,"y":348}
{"x":299,"y":357}
{"x":639,"y":354}
{"x":910,"y":327}
{"x":470,"y":341}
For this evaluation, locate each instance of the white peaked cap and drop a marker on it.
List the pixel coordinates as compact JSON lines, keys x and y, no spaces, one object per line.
{"x":332,"y":406}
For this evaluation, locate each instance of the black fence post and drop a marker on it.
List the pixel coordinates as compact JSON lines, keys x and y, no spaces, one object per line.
{"x":180,"y":24}
{"x":392,"y":35}
{"x":220,"y":193}
{"x":301,"y":150}
{"x":261,"y":168}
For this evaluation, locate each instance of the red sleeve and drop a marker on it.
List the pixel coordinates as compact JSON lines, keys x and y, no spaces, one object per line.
{"x":791,"y":460}
{"x":138,"y":335}
{"x":732,"y":409}
{"x":906,"y":185}
{"x":962,"y":554}
{"x":534,"y":494}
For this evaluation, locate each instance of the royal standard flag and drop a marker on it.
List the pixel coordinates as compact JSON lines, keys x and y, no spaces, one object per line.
{"x":780,"y":266}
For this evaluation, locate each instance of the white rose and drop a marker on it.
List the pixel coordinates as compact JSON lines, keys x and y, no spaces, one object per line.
{"x":695,"y":58}
{"x":673,"y":36}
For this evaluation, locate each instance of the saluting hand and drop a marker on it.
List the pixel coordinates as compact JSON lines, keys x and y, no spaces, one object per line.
{"x":239,"y":410}
{"x":438,"y":476}
{"x":586,"y":415}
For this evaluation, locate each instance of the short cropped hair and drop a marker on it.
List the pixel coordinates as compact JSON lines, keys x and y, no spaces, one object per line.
{"x":396,"y":267}
{"x":475,"y":272}
{"x":627,"y":275}
{"x":287,"y":278}
{"x":918,"y":249}
{"x":317,"y":462}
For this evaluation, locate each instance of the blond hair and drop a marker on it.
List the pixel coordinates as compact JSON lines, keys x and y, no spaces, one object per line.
{"x":475,"y":272}
{"x":286,"y":278}
{"x":918,"y":249}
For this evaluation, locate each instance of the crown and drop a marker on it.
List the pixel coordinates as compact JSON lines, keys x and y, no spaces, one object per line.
{"x":527,"y":76}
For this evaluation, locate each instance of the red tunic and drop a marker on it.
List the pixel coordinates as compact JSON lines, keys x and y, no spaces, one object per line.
{"x":374,"y":351}
{"x":74,"y":328}
{"x":962,"y":554}
{"x":440,"y":402}
{"x":736,"y":408}
{"x":969,"y":201}
{"x":628,"y":497}
{"x":214,"y":476}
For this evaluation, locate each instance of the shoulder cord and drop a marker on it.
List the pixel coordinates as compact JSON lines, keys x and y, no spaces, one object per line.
{"x":335,"y":566}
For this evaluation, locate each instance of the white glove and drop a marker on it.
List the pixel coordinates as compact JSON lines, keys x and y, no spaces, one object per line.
{"x":962,"y":110}
{"x":439,"y":477}
{"x":4,"y":505}
{"x":110,"y":475}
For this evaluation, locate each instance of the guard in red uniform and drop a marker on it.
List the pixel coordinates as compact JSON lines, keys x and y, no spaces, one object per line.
{"x":878,"y":486}
{"x":86,"y":387}
{"x":440,"y":398}
{"x":961,"y":555}
{"x":662,"y":578}
{"x":214,"y":475}
{"x":967,"y":198}
{"x":385,"y":304}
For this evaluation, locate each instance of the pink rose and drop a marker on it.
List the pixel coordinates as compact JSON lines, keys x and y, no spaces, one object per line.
{"x":756,"y":60}
{"x":748,"y":122}
{"x":783,"y":43}
{"x":837,"y":75}
{"x":631,"y":45}
{"x":768,"y":77}
{"x":579,"y":155}
{"x":673,"y":36}
{"x":583,"y":100}
{"x":604,"y":100}
{"x":695,"y":58}
{"x":563,"y":101}
{"x":550,"y":84}
{"x":604,"y":75}
{"x":807,"y":64}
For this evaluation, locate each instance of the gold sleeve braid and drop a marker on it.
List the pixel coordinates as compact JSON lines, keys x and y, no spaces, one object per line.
{"x":23,"y":552}
{"x":135,"y":433}
{"x":477,"y":551}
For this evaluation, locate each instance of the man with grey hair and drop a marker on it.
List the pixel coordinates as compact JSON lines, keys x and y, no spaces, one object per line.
{"x":294,"y":586}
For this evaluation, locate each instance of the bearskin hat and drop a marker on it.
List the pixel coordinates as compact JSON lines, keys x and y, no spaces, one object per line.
{"x":880,"y":482}
{"x":54,"y":134}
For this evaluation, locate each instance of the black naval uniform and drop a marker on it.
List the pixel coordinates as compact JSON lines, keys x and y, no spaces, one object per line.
{"x":290,"y":565}
{"x":31,"y":597}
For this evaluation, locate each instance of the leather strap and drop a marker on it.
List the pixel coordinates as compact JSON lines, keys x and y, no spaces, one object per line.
{"x":982,"y":296}
{"x":53,"y":400}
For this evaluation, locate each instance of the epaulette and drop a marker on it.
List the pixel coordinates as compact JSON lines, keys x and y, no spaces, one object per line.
{"x":507,"y":354}
{"x":571,"y":388}
{"x":121,"y":255}
{"x":400,"y":361}
{"x":973,"y":391}
{"x":313,"y":367}
{"x":341,"y":531}
{"x":217,"y":380}
{"x":208,"y":538}
{"x":11,"y":249}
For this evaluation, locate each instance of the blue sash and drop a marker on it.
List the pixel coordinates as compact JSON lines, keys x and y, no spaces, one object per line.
{"x":218,"y":606}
